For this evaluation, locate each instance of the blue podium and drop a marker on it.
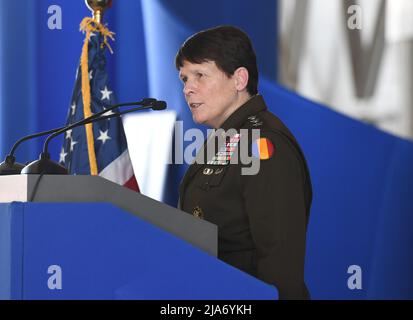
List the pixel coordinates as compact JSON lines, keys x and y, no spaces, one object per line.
{"x":87,"y":249}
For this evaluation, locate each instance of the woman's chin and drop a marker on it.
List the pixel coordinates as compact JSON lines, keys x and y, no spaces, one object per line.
{"x":198,"y":119}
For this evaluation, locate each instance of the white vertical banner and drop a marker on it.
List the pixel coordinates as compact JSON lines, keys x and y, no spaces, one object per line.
{"x":399,"y":20}
{"x":149,"y":138}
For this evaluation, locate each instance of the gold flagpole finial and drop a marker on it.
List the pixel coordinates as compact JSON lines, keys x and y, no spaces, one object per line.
{"x":98,"y":7}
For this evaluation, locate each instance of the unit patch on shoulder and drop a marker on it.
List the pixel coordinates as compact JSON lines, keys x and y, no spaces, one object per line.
{"x":263,"y":149}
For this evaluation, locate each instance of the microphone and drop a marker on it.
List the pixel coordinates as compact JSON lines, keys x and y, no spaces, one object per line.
{"x":9,"y":166}
{"x":46,"y":166}
{"x":159,"y":105}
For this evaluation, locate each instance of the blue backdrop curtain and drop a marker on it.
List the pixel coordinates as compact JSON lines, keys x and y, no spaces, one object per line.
{"x":18,"y":100}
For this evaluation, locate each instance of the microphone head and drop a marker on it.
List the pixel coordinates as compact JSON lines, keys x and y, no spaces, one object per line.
{"x":44,"y":166}
{"x":9,"y":166}
{"x":148,"y":101}
{"x":159,"y":105}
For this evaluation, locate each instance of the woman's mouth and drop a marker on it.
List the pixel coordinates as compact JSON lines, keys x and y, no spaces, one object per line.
{"x":195,"y":105}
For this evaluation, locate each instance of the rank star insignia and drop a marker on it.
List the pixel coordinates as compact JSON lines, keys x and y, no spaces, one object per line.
{"x":255,"y":121}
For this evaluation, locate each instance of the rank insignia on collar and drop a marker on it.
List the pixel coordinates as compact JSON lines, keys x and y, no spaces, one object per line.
{"x":263,"y":149}
{"x":255,"y":121}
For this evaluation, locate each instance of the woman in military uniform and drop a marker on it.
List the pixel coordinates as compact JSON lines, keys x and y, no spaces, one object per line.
{"x":262,"y":217}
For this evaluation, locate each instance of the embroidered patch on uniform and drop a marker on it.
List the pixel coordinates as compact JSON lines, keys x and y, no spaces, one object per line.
{"x":263,"y":149}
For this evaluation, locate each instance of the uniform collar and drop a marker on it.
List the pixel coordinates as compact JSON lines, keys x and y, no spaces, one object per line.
{"x":253,"y":106}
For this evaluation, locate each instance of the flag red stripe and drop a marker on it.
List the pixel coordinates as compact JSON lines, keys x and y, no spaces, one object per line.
{"x":132,"y":184}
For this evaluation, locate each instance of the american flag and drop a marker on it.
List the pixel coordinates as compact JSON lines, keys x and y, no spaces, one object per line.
{"x":109,"y":140}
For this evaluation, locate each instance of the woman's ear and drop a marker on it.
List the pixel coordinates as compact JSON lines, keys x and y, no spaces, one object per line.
{"x":241,"y":77}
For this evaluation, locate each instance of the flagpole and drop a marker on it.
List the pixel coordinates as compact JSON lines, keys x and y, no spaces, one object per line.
{"x":98,"y":7}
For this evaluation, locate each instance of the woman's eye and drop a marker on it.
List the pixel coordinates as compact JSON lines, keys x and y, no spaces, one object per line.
{"x":199,"y":75}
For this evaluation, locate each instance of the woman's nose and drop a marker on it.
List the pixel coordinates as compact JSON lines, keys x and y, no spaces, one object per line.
{"x":189,"y":88}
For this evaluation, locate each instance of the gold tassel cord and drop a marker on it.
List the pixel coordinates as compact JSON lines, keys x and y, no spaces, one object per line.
{"x":88,"y":25}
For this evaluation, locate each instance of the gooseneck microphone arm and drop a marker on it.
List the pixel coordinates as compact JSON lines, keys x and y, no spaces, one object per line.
{"x":32,"y":136}
{"x":148,"y":103}
{"x":46,"y":166}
